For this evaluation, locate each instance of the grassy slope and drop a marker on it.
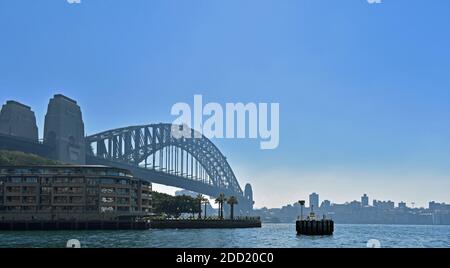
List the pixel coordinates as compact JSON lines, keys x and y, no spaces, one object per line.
{"x":13,"y":158}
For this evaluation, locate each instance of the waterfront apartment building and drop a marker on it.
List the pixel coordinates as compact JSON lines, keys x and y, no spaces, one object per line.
{"x":72,"y":193}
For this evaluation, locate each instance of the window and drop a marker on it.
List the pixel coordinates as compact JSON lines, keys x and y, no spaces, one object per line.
{"x":29,"y":200}
{"x":107,"y":199}
{"x":13,"y":199}
{"x":77,"y":180}
{"x":92,"y":200}
{"x":134,"y":193}
{"x":123,"y":209}
{"x":14,"y":189}
{"x":92,"y":182}
{"x":46,"y":190}
{"x":46,"y":180}
{"x":91,"y":191}
{"x":29,"y":190}
{"x":28,"y":208}
{"x":45,"y":199}
{"x":108,"y":181}
{"x":122,"y":191}
{"x":76,"y":200}
{"x":91,"y":208}
{"x":45,"y":208}
{"x":60,"y":199}
{"x":15,"y":179}
{"x":107,"y":190}
{"x":95,"y":171}
{"x":123,"y":201}
{"x":112,"y":173}
{"x":31,"y":180}
{"x":22,"y":171}
{"x":61,"y":180}
{"x":107,"y":209}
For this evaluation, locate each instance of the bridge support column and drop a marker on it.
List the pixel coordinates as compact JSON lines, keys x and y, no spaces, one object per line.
{"x":64,"y":130}
{"x":18,"y":120}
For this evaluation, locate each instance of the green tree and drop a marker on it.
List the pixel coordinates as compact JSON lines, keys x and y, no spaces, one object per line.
{"x":14,"y":158}
{"x":221,"y":200}
{"x":173,"y":205}
{"x":232,"y":201}
{"x":201,"y":199}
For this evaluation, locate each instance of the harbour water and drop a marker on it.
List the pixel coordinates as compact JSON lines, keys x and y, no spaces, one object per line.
{"x":270,"y":235}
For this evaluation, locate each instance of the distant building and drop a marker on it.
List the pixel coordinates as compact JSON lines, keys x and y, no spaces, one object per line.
{"x":355,"y":204}
{"x":74,"y":193}
{"x":314,"y":200}
{"x":438,"y":206}
{"x":186,"y":192}
{"x":364,"y":200}
{"x":325,"y":204}
{"x":384,"y":204}
{"x":383,"y":212}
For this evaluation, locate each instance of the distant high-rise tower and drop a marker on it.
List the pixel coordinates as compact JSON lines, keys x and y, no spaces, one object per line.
{"x":314,"y":200}
{"x":64,"y":130}
{"x":18,"y":120}
{"x":364,"y":200}
{"x":402,"y":205}
{"x":325,"y":204}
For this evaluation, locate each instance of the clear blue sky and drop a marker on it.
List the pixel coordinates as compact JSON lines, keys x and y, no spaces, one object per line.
{"x":364,"y":90}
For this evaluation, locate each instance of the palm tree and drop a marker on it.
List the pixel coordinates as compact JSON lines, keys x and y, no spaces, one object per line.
{"x":232,"y":201}
{"x":302,"y":203}
{"x":221,"y":200}
{"x":200,"y":199}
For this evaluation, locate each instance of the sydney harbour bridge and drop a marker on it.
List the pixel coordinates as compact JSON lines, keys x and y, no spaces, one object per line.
{"x":151,"y":152}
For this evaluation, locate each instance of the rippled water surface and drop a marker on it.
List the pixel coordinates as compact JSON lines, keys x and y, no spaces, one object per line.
{"x":270,"y":235}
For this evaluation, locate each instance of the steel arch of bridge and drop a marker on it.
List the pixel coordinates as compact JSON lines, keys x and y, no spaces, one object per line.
{"x":135,"y":145}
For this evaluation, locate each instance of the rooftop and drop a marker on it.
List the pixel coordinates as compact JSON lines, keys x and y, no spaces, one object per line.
{"x":13,"y":102}
{"x":60,"y":166}
{"x":56,"y":96}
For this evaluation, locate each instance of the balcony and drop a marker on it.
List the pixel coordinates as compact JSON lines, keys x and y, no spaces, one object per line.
{"x":29,"y":192}
{"x":13,"y":203}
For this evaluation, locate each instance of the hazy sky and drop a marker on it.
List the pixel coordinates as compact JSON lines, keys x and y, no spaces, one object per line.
{"x":363,"y":89}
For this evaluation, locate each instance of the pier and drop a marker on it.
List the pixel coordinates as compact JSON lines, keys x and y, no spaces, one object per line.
{"x":315,"y":227}
{"x":311,"y":225}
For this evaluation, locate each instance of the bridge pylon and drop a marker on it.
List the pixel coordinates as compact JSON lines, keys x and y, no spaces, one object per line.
{"x":64,"y":130}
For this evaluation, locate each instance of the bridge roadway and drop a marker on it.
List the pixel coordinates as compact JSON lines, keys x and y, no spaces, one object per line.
{"x":163,"y":178}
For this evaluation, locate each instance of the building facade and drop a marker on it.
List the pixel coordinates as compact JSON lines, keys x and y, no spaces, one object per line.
{"x":314,"y":200}
{"x":72,"y":193}
{"x":364,"y":200}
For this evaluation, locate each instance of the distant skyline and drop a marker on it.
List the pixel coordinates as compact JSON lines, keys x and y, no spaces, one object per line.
{"x":363,"y":88}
